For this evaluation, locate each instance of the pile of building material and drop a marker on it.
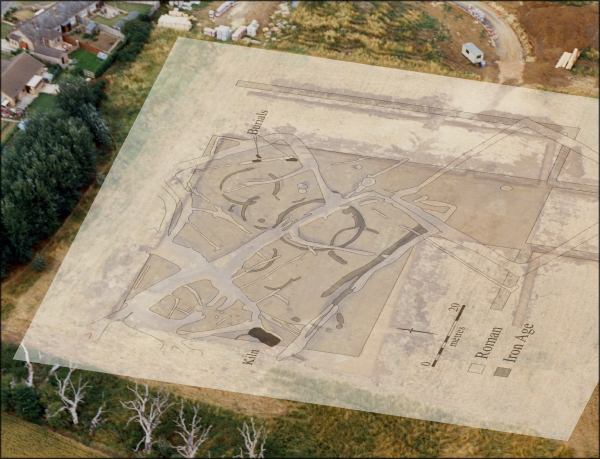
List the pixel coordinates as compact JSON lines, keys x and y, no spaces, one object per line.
{"x":567,"y":60}
{"x":180,"y":14}
{"x":185,"y":5}
{"x":223,"y":33}
{"x":475,"y":12}
{"x":239,"y":33}
{"x":223,"y":7}
{"x":480,"y":17}
{"x":175,"y":20}
{"x":210,"y":32}
{"x":283,"y":9}
{"x":252,"y":28}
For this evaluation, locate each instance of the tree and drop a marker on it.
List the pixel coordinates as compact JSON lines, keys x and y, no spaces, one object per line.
{"x":38,"y":263}
{"x":89,"y":114}
{"x":136,"y":34}
{"x":81,"y":100}
{"x":97,"y":419}
{"x":43,"y":171}
{"x":148,"y":410}
{"x":70,"y":396}
{"x":193,"y":433}
{"x":27,"y":402}
{"x":75,"y":92}
{"x":6,"y":395}
{"x":29,"y":366}
{"x":254,"y":440}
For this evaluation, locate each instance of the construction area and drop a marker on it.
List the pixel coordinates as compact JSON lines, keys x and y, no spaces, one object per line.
{"x":519,"y":45}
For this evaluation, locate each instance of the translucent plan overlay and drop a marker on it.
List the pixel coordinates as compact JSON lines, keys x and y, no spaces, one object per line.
{"x":337,"y":233}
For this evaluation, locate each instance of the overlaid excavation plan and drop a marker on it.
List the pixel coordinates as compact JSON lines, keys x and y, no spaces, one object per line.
{"x":336,"y":233}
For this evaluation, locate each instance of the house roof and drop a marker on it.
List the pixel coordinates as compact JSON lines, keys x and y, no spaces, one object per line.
{"x":44,"y":25}
{"x":52,"y":52}
{"x":472,"y":48}
{"x":5,"y":63}
{"x":18,"y":73}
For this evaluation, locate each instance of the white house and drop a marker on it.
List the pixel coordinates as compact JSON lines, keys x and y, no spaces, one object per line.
{"x":473,"y":53}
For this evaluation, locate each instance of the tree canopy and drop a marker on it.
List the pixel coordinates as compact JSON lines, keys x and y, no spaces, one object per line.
{"x":136,"y":34}
{"x":46,"y":166}
{"x":42,"y":173}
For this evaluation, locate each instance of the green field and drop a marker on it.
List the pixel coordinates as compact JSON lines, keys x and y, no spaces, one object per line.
{"x":86,"y":60}
{"x":5,"y":29}
{"x":7,"y":130}
{"x":23,"y":439}
{"x":42,"y":103}
{"x":125,"y":6}
{"x":140,"y":7}
{"x":109,"y":22}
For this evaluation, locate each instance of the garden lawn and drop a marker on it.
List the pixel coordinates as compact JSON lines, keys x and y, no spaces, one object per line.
{"x":43,"y":103}
{"x":5,"y":29}
{"x":86,"y":60}
{"x":106,"y":21}
{"x":126,"y":6}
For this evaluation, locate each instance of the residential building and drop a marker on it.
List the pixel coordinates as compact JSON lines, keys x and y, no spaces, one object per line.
{"x":23,"y":75}
{"x":42,"y":35}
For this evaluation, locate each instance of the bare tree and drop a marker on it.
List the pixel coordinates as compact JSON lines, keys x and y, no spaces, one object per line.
{"x":97,"y":419}
{"x":254,"y":440}
{"x":193,"y":435}
{"x":148,"y":410}
{"x":69,"y":395}
{"x":53,"y":370}
{"x":29,"y":366}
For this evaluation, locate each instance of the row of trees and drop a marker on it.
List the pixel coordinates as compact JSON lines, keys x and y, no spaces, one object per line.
{"x":57,"y":397}
{"x":46,"y":166}
{"x":136,"y":34}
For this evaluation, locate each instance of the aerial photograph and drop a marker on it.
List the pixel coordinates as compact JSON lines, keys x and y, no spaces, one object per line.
{"x":299,"y":229}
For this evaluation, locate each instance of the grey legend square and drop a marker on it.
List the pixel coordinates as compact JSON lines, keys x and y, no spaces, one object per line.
{"x":502,"y":372}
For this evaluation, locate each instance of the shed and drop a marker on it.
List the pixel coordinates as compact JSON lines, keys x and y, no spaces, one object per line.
{"x":91,"y":27}
{"x":34,"y":82}
{"x":473,"y":53}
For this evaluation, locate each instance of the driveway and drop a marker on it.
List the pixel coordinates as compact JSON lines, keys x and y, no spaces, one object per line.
{"x":49,"y":88}
{"x":5,"y":6}
{"x":511,"y":62}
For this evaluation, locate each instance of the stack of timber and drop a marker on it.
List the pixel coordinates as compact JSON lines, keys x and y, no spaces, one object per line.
{"x":567,"y":60}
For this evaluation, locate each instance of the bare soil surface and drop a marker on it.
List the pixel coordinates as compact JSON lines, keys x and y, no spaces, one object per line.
{"x":242,"y":13}
{"x":553,"y":28}
{"x":463,"y":29}
{"x":585,"y":438}
{"x":508,"y":47}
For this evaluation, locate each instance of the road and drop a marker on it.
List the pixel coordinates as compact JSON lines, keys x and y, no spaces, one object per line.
{"x":4,"y":6}
{"x":511,"y":62}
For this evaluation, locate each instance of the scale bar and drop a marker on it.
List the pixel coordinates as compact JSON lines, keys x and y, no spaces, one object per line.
{"x":439,"y":353}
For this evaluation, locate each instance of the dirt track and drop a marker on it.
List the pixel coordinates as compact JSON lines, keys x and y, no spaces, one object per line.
{"x":511,"y":61}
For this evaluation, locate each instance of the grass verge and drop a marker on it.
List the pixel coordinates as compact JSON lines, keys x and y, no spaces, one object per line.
{"x":24,"y":439}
